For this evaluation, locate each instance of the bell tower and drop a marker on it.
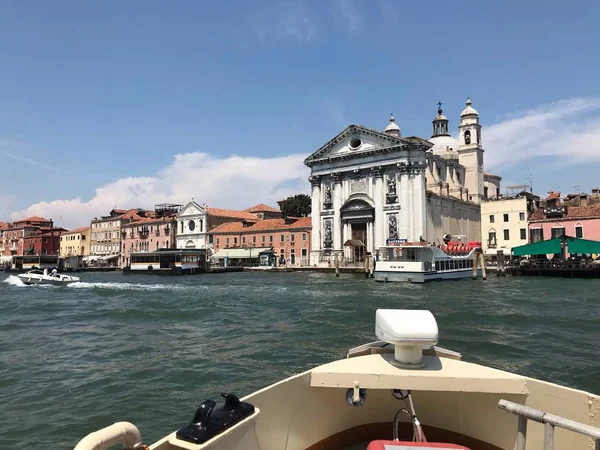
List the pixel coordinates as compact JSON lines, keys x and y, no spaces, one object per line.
{"x":470,"y":152}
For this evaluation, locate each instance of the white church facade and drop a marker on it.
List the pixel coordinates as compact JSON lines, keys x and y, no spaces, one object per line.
{"x":192,"y":226}
{"x":372,"y":187}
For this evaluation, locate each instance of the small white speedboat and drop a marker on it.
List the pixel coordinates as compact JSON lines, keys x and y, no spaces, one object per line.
{"x":39,"y":277}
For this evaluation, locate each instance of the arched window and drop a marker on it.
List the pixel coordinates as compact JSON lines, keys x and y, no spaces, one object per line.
{"x":201,"y":225}
{"x":181,"y":222}
{"x":467,"y":137}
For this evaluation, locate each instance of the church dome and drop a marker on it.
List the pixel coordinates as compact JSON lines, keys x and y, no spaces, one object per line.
{"x":392,"y":127}
{"x":444,"y":144}
{"x":469,"y":110}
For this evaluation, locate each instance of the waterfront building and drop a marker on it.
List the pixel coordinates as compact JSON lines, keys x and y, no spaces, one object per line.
{"x":106,"y":232}
{"x":194,"y":221}
{"x":148,"y":235}
{"x":14,"y":236}
{"x":3,"y":227}
{"x":576,"y":216}
{"x":370,"y":187}
{"x":290,"y":238}
{"x":504,"y":222}
{"x":45,"y":241}
{"x":75,"y":242}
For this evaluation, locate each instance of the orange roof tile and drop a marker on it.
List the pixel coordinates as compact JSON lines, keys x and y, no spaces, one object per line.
{"x":231,"y":213}
{"x":131,"y":214}
{"x":77,"y":230}
{"x":573,"y":212}
{"x":261,"y":207}
{"x":33,"y":219}
{"x":263,"y":225}
{"x":4,"y":225}
{"x":553,"y":195}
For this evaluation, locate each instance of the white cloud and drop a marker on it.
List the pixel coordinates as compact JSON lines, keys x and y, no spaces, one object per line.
{"x":284,"y":21}
{"x":567,"y":131}
{"x":348,"y":15}
{"x":233,"y":182}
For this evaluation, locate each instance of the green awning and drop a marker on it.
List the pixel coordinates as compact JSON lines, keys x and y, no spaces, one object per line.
{"x":586,"y":246}
{"x":548,"y":247}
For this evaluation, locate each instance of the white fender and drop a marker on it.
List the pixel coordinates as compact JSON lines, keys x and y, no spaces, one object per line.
{"x":119,"y":432}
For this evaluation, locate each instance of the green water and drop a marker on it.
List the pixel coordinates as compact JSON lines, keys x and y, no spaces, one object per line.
{"x":149,"y":349}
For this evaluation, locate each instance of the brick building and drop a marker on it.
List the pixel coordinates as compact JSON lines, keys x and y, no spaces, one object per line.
{"x":43,"y":242}
{"x":14,"y":236}
{"x":289,"y":238}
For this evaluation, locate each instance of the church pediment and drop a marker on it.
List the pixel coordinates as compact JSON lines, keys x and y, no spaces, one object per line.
{"x":355,"y":140}
{"x":191,"y":209}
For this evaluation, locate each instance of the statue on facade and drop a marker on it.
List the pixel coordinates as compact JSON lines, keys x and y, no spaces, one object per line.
{"x":328,"y":239}
{"x":392,"y":226}
{"x":392,"y":185}
{"x":327,"y":202}
{"x":391,"y":196}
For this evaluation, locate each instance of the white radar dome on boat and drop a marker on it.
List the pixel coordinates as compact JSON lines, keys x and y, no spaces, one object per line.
{"x":409,"y":331}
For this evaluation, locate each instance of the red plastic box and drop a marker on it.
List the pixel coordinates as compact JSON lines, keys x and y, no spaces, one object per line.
{"x":404,"y":445}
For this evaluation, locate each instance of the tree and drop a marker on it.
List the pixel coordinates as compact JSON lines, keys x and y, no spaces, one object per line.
{"x":296,"y":206}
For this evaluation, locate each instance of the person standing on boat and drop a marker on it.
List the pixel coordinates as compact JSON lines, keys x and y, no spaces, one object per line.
{"x":54,"y":272}
{"x":45,"y":272}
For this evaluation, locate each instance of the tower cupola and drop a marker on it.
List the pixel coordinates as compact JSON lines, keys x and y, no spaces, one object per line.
{"x":440,"y":123}
{"x":392,"y":128}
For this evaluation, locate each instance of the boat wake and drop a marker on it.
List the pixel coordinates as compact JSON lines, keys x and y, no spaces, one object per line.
{"x":13,"y":280}
{"x":126,"y":286}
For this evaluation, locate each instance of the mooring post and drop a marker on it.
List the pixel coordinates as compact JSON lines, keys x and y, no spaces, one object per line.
{"x":475,"y":263}
{"x":500,"y":260}
{"x":482,"y":261}
{"x":366,"y":264}
{"x":337,"y":265}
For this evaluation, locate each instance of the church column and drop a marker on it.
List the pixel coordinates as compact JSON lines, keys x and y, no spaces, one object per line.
{"x":379,"y":234}
{"x":371,"y":238}
{"x":337,"y":217}
{"x":345,"y":237}
{"x":420,"y":192}
{"x":413,"y":203}
{"x":403,"y":229}
{"x":315,"y":236}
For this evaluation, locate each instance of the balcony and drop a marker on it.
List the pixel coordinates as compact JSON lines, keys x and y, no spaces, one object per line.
{"x":491,"y":244}
{"x":167,"y":231}
{"x":157,"y":232}
{"x":143,"y":233}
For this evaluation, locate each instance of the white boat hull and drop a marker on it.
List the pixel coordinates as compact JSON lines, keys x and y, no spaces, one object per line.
{"x":60,"y":280}
{"x":422,"y":277}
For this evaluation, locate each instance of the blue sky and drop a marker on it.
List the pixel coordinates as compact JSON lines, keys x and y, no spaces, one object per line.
{"x":97,"y":99}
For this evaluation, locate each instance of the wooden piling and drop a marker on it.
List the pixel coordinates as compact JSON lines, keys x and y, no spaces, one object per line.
{"x":500,"y":258}
{"x":366,"y":264}
{"x":482,"y":261}
{"x":475,"y":263}
{"x":337,"y":265}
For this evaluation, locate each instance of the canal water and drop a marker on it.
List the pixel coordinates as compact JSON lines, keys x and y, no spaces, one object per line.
{"x":149,"y":349}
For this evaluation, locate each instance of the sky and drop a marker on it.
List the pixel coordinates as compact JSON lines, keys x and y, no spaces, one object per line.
{"x":130,"y":104}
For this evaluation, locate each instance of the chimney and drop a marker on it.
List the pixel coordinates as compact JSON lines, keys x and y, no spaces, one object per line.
{"x":594,"y":192}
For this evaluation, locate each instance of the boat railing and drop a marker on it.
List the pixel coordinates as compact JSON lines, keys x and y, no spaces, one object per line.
{"x":550,"y":421}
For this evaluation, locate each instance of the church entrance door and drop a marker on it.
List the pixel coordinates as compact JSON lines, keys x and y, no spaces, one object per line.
{"x":359,"y":233}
